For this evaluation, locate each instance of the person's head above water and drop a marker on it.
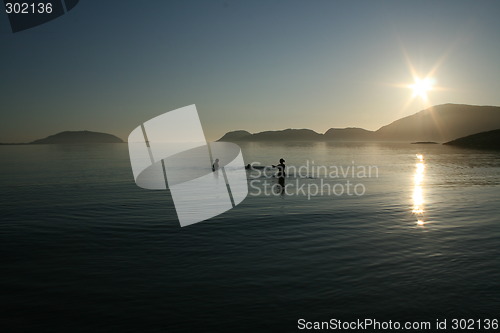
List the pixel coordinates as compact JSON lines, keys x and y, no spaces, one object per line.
{"x":282,"y":160}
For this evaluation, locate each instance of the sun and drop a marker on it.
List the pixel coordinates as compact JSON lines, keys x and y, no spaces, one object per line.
{"x":421,"y":87}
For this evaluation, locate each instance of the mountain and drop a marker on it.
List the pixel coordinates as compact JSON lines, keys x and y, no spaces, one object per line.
{"x":483,"y":140}
{"x":235,"y":136}
{"x":349,"y":134}
{"x":283,"y":135}
{"x":78,"y":137}
{"x":442,"y":123}
{"x":439,"y":123}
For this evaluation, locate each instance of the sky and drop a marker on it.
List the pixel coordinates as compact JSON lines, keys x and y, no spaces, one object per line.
{"x":109,"y":66}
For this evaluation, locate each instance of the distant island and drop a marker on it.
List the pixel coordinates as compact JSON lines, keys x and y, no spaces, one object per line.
{"x":287,"y":134}
{"x":74,"y":137}
{"x":424,"y":143}
{"x":483,"y":140}
{"x":439,"y":123}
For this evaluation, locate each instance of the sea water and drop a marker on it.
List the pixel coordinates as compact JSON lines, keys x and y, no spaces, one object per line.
{"x":85,"y":249}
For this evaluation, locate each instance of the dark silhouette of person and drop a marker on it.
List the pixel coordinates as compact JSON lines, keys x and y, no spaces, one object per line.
{"x":281,"y":173}
{"x":215,"y":166}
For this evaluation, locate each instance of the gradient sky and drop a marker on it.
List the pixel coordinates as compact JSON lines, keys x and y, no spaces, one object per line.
{"x":108,"y":66}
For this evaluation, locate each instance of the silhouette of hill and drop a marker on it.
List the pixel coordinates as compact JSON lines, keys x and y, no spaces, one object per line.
{"x":78,"y":137}
{"x":283,"y":135}
{"x":424,"y":143}
{"x":439,"y":123}
{"x":349,"y":134}
{"x":442,"y":123}
{"x":235,"y":136}
{"x":483,"y":140}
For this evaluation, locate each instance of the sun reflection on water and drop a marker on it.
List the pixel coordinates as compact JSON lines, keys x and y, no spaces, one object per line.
{"x":418,"y":195}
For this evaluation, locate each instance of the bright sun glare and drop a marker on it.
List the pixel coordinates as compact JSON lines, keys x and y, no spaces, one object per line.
{"x":421,"y":87}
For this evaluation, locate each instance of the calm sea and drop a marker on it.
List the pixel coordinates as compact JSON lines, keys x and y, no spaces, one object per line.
{"x":84,"y":249}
